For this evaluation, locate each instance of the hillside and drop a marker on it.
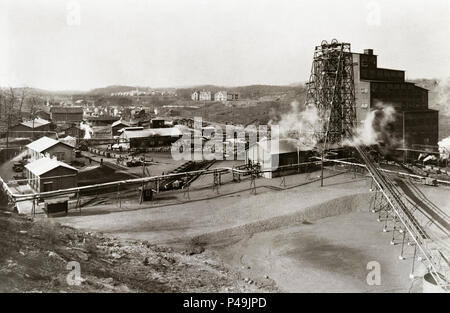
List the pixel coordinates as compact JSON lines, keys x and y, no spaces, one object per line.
{"x":247,"y":92}
{"x":35,"y":256}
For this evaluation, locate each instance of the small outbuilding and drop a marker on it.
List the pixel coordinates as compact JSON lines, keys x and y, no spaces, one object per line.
{"x":46,"y":174}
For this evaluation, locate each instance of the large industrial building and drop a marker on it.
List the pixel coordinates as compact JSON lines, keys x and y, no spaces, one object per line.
{"x":61,"y":114}
{"x":415,"y":124}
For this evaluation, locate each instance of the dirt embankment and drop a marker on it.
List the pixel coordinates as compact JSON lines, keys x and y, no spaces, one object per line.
{"x":338,"y":206}
{"x":34,"y":257}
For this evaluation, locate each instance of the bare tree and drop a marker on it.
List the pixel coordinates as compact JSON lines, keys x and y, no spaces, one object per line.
{"x":33,"y":111}
{"x":21,"y":100}
{"x":12,"y":99}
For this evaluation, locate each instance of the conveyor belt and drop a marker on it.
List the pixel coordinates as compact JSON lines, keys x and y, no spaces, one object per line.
{"x":406,"y":217}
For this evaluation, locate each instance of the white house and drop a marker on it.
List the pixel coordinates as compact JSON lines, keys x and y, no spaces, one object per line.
{"x":220,"y":96}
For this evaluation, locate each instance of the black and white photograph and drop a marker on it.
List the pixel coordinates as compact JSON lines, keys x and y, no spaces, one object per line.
{"x":218,"y":153}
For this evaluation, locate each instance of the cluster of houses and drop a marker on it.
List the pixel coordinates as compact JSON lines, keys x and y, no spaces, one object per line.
{"x":136,"y":92}
{"x":221,"y":96}
{"x":70,"y":123}
{"x":60,"y":122}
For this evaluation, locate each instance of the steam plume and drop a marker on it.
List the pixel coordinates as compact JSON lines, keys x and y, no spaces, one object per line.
{"x":299,"y":124}
{"x":444,"y":148}
{"x":376,"y":128}
{"x":87,"y":130}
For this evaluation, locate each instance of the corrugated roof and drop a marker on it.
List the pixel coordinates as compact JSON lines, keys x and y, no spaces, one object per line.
{"x":38,"y":122}
{"x":44,"y":165}
{"x":172,"y":131}
{"x":43,"y":144}
{"x":60,"y":109}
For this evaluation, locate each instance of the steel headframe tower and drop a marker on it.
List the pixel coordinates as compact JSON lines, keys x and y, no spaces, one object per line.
{"x":331,"y":90}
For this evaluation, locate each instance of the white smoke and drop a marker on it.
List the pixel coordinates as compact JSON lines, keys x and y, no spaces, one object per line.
{"x":87,"y":130}
{"x":444,"y":148}
{"x":155,"y":111}
{"x":373,"y":129}
{"x":299,"y":125}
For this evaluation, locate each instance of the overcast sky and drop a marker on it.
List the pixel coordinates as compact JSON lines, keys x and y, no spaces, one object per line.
{"x":47,"y":44}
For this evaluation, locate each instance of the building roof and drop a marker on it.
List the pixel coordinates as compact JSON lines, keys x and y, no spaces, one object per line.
{"x":61,"y":109}
{"x":103,"y":118}
{"x":44,"y":165}
{"x":172,"y":132}
{"x":38,"y":122}
{"x":43,"y":144}
{"x":69,"y":140}
{"x":119,"y":122}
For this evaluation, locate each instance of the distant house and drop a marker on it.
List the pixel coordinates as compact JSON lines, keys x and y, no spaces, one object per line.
{"x":220,"y":96}
{"x":31,"y":129}
{"x":62,"y":114}
{"x":195,"y":95}
{"x":205,"y":96}
{"x":154,"y":137}
{"x":232,"y":96}
{"x":118,"y":125}
{"x":49,"y":146}
{"x":72,"y":130}
{"x":46,"y":174}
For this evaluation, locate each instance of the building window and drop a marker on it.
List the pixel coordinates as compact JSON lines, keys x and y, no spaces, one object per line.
{"x":60,"y":156}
